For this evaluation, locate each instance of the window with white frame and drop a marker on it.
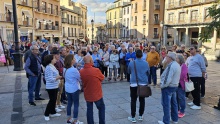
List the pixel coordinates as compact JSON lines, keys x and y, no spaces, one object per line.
{"x":194,"y":15}
{"x":206,"y":14}
{"x":170,"y":17}
{"x":181,"y":16}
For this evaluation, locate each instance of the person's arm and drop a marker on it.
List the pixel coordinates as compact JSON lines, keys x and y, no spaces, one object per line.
{"x":117,"y":58}
{"x":26,"y":67}
{"x":202,"y":65}
{"x":127,"y":57}
{"x":77,"y":74}
{"x":129,"y":68}
{"x":158,"y":59}
{"x":169,"y":78}
{"x":100,"y":76}
{"x":49,"y":75}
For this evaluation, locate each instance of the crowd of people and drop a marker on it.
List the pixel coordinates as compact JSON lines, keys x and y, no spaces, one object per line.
{"x":69,"y":69}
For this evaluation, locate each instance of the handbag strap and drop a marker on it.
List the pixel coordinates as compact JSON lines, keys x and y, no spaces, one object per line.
{"x":135,"y":70}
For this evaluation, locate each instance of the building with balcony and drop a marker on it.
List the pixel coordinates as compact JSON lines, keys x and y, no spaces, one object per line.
{"x":73,"y":20}
{"x":145,"y":19}
{"x":114,"y":19}
{"x":6,"y":21}
{"x":25,"y":19}
{"x":187,"y":19}
{"x":47,"y":20}
{"x":125,"y":26}
{"x":98,"y":31}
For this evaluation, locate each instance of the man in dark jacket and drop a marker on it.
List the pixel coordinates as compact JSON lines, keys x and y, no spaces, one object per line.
{"x":33,"y":69}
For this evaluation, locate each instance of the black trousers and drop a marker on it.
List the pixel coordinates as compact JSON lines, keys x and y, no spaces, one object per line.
{"x":196,"y":92}
{"x":105,"y":71}
{"x":50,"y":109}
{"x":202,"y":86}
{"x":133,"y":95}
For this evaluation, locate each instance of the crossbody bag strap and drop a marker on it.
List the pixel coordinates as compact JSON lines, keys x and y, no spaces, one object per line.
{"x":135,"y":70}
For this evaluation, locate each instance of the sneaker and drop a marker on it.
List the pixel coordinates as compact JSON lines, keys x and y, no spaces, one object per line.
{"x":180,"y":115}
{"x":133,"y":120}
{"x":202,"y":97}
{"x":175,"y":122}
{"x":58,"y":110}
{"x":64,"y":102}
{"x":70,"y":121}
{"x":160,"y":122}
{"x":47,"y":118}
{"x":39,"y":98}
{"x":140,"y":118}
{"x":190,"y":103}
{"x":61,"y":107}
{"x":55,"y":115}
{"x":195,"y":107}
{"x":32,"y":104}
{"x":78,"y":122}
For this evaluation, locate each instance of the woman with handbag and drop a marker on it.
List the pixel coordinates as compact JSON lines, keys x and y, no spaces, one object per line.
{"x":139,"y":70}
{"x":181,"y":88}
{"x":72,"y":86}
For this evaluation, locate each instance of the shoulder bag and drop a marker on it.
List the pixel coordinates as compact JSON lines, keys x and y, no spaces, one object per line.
{"x":142,"y":90}
{"x":189,"y":86}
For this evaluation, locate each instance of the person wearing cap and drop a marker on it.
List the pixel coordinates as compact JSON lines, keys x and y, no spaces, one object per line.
{"x":169,"y":84}
{"x":153,"y":59}
{"x":197,"y":71}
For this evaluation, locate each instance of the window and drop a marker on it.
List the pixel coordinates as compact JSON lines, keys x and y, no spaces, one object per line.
{"x":170,"y":17}
{"x":156,"y":19}
{"x":135,"y":33}
{"x":207,"y":13}
{"x":156,"y":33}
{"x":115,"y":14}
{"x":75,"y":31}
{"x":194,"y":15}
{"x":56,"y":10}
{"x":128,"y":11}
{"x":124,"y":11}
{"x":144,"y":19}
{"x":110,"y":16}
{"x":135,"y":22}
{"x":49,"y":8}
{"x":144,"y":6}
{"x":72,"y":32}
{"x":127,"y":22}
{"x":143,"y":32}
{"x":136,"y":7}
{"x":43,"y":7}
{"x":181,"y":16}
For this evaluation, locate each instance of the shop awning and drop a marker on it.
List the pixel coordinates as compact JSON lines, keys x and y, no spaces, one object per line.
{"x":9,"y":7}
{"x":27,"y":13}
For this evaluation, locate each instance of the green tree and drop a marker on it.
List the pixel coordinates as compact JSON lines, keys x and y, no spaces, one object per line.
{"x":214,"y":13}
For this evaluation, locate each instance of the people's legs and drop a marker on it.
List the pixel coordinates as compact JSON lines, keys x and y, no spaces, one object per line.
{"x":32,"y":84}
{"x":50,"y":109}
{"x":154,"y":75}
{"x":115,"y":72}
{"x":110,"y":73}
{"x":174,"y":108}
{"x":38,"y":86}
{"x":101,"y":107}
{"x":181,"y":99}
{"x":75,"y":98}
{"x":202,"y":87}
{"x":89,"y":113}
{"x":133,"y":95}
{"x":60,"y":92}
{"x":142,"y":105}
{"x":69,"y":104}
{"x":63,"y":96}
{"x":150,"y":76}
{"x":166,"y":97}
{"x":105,"y":71}
{"x":121,"y":71}
{"x":196,"y":92}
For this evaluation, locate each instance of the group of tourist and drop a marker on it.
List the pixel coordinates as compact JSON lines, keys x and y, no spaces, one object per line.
{"x":70,"y":69}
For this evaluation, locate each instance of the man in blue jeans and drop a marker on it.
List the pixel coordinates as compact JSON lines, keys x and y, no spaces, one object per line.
{"x":92,"y":85}
{"x":169,"y":84}
{"x":33,"y":69}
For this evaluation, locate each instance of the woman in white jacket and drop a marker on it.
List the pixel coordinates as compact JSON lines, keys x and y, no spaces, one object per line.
{"x":113,"y":64}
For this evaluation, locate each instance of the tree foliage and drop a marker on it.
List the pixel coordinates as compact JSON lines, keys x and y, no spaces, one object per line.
{"x":214,"y":14}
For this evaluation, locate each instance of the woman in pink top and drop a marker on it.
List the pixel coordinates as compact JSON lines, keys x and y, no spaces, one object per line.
{"x":181,"y":89}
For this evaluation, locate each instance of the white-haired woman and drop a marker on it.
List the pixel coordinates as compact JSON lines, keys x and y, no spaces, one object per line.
{"x":113,"y":64}
{"x":181,"y":89}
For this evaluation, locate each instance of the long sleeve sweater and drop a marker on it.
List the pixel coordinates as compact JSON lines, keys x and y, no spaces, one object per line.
{"x":153,"y":58}
{"x":183,"y":75}
{"x":50,"y":76}
{"x":196,"y":66}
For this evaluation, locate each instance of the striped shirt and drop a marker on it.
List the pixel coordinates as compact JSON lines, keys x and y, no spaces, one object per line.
{"x":50,"y":76}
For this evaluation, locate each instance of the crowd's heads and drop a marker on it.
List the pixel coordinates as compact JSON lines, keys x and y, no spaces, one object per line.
{"x":183,"y":47}
{"x":174,"y":47}
{"x":62,"y":51}
{"x":88,"y":59}
{"x":152,"y":48}
{"x":180,"y":59}
{"x":139,"y":53}
{"x":49,"y":59}
{"x":193,"y":50}
{"x":34,"y":49}
{"x":69,"y":61}
{"x":83,"y":53}
{"x":130,"y":49}
{"x":55,"y":52}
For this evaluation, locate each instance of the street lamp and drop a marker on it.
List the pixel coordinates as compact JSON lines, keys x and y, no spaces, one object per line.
{"x":18,"y":63}
{"x":161,"y":36}
{"x":92,"y":22}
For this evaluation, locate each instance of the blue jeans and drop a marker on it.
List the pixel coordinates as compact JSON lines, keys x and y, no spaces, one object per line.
{"x":100,"y":106}
{"x":181,"y":99}
{"x":34,"y":84}
{"x":73,"y":98}
{"x":169,"y":101}
{"x":153,"y":74}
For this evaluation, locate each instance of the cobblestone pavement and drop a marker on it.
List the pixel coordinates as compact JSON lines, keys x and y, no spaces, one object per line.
{"x":117,"y":101}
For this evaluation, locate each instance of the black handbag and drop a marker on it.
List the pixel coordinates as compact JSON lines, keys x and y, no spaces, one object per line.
{"x":142,"y":90}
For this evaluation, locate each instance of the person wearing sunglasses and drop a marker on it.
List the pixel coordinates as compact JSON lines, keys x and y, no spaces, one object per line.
{"x":197,"y":70}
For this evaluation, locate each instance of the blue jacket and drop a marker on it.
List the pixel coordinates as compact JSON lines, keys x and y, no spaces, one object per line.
{"x":143,"y":70}
{"x":96,"y":63}
{"x":128,"y":56}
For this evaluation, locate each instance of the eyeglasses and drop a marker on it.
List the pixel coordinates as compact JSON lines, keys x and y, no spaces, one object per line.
{"x":191,"y":49}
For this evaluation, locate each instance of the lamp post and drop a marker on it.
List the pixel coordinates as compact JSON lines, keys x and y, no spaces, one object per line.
{"x":18,"y":64}
{"x":92,"y":22}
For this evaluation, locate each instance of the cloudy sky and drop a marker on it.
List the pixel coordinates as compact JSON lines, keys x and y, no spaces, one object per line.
{"x":97,"y":7}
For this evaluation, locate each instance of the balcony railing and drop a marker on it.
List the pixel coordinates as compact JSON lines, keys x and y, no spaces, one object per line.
{"x":156,"y":36}
{"x":25,"y":22}
{"x":64,"y":20}
{"x":156,"y":7}
{"x":156,"y":22}
{"x":6,"y":17}
{"x":144,"y":22}
{"x":24,"y":3}
{"x":79,"y":23}
{"x":55,"y":27}
{"x":49,"y":11}
{"x":115,"y":26}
